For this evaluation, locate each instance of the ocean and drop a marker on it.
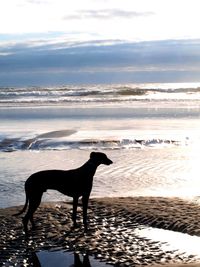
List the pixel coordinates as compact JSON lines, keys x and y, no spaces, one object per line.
{"x":150,"y":131}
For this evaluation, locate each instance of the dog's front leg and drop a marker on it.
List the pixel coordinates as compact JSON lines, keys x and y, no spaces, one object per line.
{"x":75,"y":204}
{"x":85,"y":206}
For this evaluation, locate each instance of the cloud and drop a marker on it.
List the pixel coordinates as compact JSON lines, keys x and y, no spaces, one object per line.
{"x":128,"y":19}
{"x":5,"y":54}
{"x":99,"y":61}
{"x":37,"y":2}
{"x":107,"y":14}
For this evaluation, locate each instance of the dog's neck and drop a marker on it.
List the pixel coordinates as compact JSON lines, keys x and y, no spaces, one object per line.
{"x":93,"y":163}
{"x":90,"y":167}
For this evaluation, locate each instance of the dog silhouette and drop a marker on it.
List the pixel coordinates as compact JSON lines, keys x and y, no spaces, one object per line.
{"x":74,"y":183}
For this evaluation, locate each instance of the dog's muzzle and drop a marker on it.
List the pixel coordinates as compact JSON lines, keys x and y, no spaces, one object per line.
{"x":108,"y":162}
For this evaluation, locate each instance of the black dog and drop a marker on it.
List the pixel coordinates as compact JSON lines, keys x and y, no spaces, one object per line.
{"x":74,"y":183}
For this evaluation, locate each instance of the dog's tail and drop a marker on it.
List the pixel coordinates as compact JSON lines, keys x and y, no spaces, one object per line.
{"x":24,"y":208}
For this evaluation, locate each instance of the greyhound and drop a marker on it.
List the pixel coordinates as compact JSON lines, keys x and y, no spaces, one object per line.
{"x":74,"y":183}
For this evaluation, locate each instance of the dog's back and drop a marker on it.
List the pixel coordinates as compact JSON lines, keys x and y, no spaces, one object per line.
{"x":69,"y":182}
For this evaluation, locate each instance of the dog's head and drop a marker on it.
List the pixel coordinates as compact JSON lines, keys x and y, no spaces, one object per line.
{"x":100,"y":158}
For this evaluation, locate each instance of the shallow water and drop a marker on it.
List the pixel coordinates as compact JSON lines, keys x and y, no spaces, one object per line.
{"x":153,"y":156}
{"x":67,"y":259}
{"x":170,"y":240}
{"x":139,"y":172}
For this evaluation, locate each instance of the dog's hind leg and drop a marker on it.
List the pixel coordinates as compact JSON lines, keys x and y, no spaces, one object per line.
{"x":34,"y":202}
{"x":75,"y":204}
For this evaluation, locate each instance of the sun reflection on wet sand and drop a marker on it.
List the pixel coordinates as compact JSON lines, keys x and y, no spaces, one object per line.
{"x":171,"y":240}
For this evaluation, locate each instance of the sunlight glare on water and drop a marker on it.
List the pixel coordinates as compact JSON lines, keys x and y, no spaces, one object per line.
{"x":170,"y":240}
{"x":193,"y":174}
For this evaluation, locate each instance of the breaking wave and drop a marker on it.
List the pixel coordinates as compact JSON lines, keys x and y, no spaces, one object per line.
{"x":99,"y":93}
{"x":65,"y":139}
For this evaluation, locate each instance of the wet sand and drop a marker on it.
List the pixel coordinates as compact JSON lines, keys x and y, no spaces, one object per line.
{"x":112,"y":236}
{"x":166,"y":213}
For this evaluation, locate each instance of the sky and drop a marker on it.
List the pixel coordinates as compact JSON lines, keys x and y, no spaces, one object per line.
{"x":99,"y":41}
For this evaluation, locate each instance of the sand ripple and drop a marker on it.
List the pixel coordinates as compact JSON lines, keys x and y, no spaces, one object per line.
{"x":166,"y":213}
{"x":112,"y":236}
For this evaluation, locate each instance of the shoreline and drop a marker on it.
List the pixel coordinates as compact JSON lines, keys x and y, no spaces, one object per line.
{"x":113,"y":231}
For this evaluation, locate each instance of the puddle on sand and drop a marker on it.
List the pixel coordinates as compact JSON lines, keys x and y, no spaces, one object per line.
{"x":173,"y":241}
{"x":67,"y":259}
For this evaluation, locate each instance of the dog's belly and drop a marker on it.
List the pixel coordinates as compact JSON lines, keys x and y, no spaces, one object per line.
{"x":70,"y":193}
{"x":69,"y":189}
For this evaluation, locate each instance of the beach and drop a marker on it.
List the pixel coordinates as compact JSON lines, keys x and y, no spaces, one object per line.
{"x":144,"y":208}
{"x":160,"y":203}
{"x":115,"y":235}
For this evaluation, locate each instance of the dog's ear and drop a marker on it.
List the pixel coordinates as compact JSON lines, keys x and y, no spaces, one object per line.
{"x":92,"y":154}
